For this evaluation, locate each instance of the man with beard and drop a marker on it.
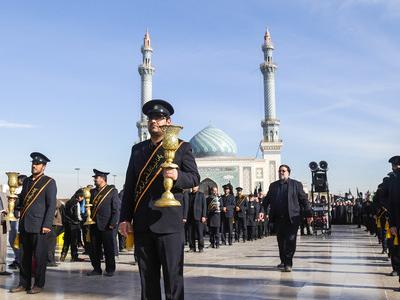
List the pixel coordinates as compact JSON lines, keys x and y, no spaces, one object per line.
{"x":159,"y":232}
{"x":286,"y":198}
{"x":37,"y":205}
{"x":105,"y":212}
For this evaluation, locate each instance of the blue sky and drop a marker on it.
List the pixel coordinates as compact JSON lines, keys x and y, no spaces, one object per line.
{"x":69,"y":85}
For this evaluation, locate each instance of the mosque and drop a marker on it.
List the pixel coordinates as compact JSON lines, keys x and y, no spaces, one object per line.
{"x":216,"y":152}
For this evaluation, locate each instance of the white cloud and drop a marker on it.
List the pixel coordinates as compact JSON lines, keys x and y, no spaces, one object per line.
{"x":11,"y":125}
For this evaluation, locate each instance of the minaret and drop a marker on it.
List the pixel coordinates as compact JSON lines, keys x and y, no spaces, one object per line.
{"x":271,"y":144}
{"x":146,"y":71}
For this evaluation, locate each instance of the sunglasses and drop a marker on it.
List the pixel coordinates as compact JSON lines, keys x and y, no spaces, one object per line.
{"x":157,"y":117}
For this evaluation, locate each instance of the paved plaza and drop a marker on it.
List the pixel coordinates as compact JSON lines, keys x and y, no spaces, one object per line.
{"x":347,"y":265}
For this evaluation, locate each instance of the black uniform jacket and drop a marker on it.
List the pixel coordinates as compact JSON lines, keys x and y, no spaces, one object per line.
{"x":199,"y":207}
{"x":392,"y":194}
{"x":214,"y":209}
{"x":251,"y":214}
{"x":147,"y":216}
{"x":242,"y":203}
{"x":228,"y":202}
{"x":71,"y":213}
{"x":41,"y":212}
{"x":108,"y":211}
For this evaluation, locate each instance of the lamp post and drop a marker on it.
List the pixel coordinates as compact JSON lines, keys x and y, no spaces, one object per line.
{"x":77,"y":176}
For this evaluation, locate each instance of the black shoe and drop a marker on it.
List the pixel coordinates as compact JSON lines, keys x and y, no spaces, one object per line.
{"x":201,"y":250}
{"x":281,"y":266}
{"x":18,"y":289}
{"x":212,"y":246}
{"x":63,"y":256}
{"x":14,"y":265}
{"x":192,"y":250}
{"x":52,"y":264}
{"x":5,"y":273}
{"x":109,"y":274}
{"x":35,"y":290}
{"x":287,"y":269}
{"x":217,"y":246}
{"x":93,"y":273}
{"x":384,"y":251}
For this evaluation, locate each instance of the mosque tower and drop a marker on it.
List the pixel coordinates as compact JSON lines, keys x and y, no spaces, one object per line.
{"x":146,"y":71}
{"x":271,"y":144}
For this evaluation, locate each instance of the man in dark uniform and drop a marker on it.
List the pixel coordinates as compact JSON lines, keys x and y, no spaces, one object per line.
{"x":240,"y":215}
{"x":214,"y":208}
{"x":394,"y":253}
{"x":357,"y":209}
{"x":286,"y":198}
{"x":196,"y":218}
{"x":105,"y":212}
{"x":37,"y":205}
{"x":392,"y":194}
{"x":369,"y":217}
{"x":228,"y":205}
{"x":259,"y":221}
{"x":251,"y":216}
{"x":159,"y":232}
{"x":380,"y":213}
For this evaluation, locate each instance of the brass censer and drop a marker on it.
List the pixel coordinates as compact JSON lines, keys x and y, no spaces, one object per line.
{"x":88,"y":206}
{"x":13,"y":185}
{"x":170,"y":144}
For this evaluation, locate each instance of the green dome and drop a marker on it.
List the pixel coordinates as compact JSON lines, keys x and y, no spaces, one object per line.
{"x":212,"y":141}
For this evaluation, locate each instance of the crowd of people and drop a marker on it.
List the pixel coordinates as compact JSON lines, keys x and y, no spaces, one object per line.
{"x":158,"y":231}
{"x":381,"y":216}
{"x":225,"y":218}
{"x":69,"y":218}
{"x":347,"y":210}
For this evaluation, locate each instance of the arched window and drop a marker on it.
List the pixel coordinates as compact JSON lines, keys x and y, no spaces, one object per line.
{"x":207,"y":184}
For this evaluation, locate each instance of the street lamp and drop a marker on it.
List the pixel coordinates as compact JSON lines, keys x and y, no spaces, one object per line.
{"x":77,"y":176}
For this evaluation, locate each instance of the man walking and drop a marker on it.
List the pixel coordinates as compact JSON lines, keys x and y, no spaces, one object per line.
{"x":286,"y":199}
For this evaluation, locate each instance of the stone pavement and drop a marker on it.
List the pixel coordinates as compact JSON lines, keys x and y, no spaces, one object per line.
{"x":347,"y":265}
